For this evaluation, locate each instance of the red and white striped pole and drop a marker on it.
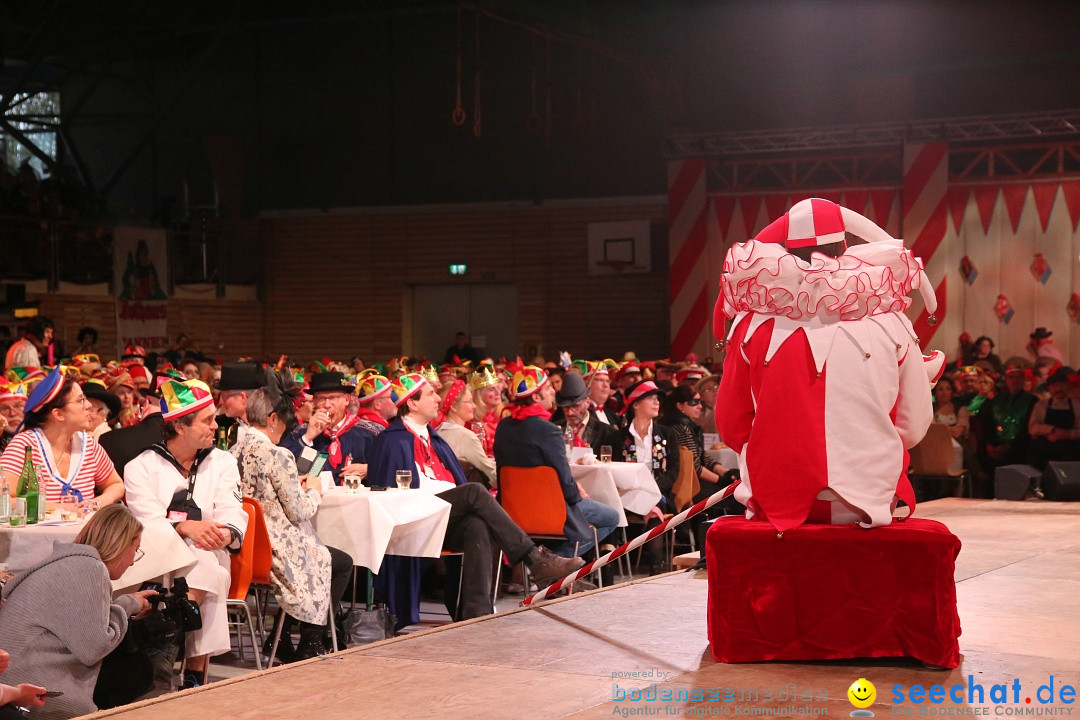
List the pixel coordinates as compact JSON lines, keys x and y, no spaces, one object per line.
{"x":640,"y":540}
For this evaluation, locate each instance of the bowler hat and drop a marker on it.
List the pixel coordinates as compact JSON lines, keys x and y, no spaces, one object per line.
{"x":573,"y":390}
{"x":331,"y":381}
{"x":241,"y":376}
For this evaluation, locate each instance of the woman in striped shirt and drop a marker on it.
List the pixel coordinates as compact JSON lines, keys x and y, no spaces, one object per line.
{"x":67,"y":457}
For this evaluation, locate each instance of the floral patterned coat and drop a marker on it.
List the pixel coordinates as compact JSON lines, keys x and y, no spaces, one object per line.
{"x":301,"y":564}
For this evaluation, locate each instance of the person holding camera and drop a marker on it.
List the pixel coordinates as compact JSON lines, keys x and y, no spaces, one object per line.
{"x":308,"y":576}
{"x":59,"y":619}
{"x":196,"y":487}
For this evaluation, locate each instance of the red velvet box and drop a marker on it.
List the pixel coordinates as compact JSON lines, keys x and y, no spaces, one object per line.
{"x":827,"y":591}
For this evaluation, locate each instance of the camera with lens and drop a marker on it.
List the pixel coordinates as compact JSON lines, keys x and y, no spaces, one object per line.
{"x":171,"y":614}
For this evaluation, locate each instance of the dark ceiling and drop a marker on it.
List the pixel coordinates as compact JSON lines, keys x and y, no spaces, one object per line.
{"x":577,"y":95}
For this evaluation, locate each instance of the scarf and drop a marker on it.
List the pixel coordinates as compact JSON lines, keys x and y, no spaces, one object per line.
{"x":335,"y":444}
{"x":520,"y":412}
{"x":366,"y":413}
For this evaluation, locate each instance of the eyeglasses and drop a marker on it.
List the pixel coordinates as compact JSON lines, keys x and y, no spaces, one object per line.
{"x":82,"y":401}
{"x":138,"y":555}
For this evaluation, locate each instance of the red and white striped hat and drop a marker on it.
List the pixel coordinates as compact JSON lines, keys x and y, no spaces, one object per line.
{"x":809,"y":223}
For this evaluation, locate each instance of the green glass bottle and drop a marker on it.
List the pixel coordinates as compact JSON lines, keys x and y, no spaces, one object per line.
{"x":28,"y":488}
{"x":222,"y":439}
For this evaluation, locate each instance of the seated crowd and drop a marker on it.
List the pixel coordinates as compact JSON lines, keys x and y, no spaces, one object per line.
{"x":181,"y":443}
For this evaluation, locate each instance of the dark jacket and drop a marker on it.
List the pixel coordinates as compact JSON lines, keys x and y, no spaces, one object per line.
{"x":665,"y":461}
{"x":124,"y":445}
{"x":356,"y":441}
{"x":596,"y":433}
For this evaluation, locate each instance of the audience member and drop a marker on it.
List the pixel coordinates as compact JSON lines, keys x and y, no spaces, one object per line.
{"x":646,"y":441}
{"x":207,"y":514}
{"x":308,"y":576}
{"x":958,"y":419}
{"x":573,"y":410}
{"x":707,"y":387}
{"x":458,"y":408}
{"x":1007,"y":428}
{"x":28,"y":350}
{"x":478,"y":525}
{"x":983,"y":349}
{"x":68,"y":459}
{"x":528,"y":439}
{"x":461,"y":350}
{"x":331,"y":429}
{"x":682,"y":407}
{"x":488,"y":398}
{"x":1040,"y":346}
{"x":104,"y":407}
{"x":1054,"y":425}
{"x":60,"y":619}
{"x":376,"y":407}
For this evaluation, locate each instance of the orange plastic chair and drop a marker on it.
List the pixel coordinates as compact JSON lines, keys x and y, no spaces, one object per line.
{"x":533,"y":498}
{"x":240,"y":571}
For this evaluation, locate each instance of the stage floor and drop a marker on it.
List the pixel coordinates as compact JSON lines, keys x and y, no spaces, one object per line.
{"x":1018,"y":587}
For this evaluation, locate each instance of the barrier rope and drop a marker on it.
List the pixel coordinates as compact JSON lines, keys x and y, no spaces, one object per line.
{"x":640,"y":540}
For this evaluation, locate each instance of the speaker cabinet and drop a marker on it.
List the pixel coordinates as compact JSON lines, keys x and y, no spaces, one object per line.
{"x":1061,"y":481}
{"x":1012,"y":482}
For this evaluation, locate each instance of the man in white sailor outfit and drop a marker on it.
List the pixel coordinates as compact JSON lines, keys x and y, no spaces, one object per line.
{"x":824,"y":387}
{"x":188,"y":482}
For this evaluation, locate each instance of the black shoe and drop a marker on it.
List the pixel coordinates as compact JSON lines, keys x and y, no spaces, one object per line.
{"x":192,"y":679}
{"x":311,"y":642}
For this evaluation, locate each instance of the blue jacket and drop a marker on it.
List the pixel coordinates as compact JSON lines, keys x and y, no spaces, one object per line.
{"x":356,"y":441}
{"x":398,"y":580}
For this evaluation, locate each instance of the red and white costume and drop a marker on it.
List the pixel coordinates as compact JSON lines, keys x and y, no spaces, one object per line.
{"x":824,"y":387}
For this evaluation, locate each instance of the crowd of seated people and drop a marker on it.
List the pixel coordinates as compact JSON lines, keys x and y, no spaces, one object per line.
{"x":1023,"y":410}
{"x":136,"y":429}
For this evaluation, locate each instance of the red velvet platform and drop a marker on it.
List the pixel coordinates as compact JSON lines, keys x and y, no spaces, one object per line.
{"x":825,"y":592}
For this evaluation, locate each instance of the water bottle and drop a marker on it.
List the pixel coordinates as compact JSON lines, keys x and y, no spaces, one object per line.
{"x":5,"y":501}
{"x":568,"y":441}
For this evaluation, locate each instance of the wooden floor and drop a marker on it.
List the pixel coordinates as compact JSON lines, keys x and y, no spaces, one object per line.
{"x":1018,"y":584}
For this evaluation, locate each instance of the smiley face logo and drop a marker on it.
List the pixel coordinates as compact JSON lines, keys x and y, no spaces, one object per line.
{"x":862,"y":693}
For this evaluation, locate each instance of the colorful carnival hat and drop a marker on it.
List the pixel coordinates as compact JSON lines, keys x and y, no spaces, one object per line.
{"x":183,"y":398}
{"x":639,"y":391}
{"x":580,"y":366}
{"x":431,"y":374}
{"x":809,"y":223}
{"x":134,"y":352}
{"x":22,"y":374}
{"x":690,"y":374}
{"x":528,"y":381}
{"x":371,"y":387}
{"x":12,"y":391}
{"x":118,"y":376}
{"x":483,"y":377}
{"x":406,"y":386}
{"x":628,"y":368}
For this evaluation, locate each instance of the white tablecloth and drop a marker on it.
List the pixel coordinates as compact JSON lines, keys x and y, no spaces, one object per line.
{"x":369,"y":525}
{"x":725,"y":456}
{"x":634,"y":484}
{"x":163,"y":550}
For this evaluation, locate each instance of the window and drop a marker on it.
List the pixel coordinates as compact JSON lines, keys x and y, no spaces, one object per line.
{"x":36,"y":116}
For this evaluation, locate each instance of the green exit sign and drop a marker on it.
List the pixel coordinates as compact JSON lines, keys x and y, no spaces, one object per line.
{"x":459,"y":269}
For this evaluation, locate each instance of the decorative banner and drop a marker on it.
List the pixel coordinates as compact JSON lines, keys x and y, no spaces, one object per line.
{"x":140,"y":267}
{"x":1044,"y":194}
{"x":967,"y":269}
{"x":1004,"y":309}
{"x":1040,"y":269}
{"x":1073,"y":308}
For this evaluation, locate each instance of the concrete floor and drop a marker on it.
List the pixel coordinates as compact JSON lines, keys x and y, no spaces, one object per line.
{"x":1018,"y":592}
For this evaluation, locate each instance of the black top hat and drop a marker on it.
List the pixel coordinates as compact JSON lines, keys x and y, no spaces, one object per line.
{"x":1041,"y":333}
{"x":329,"y":382}
{"x":93,"y":391}
{"x":241,"y":376}
{"x":573,"y":390}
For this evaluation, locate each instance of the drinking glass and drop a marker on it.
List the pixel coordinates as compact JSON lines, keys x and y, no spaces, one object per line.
{"x":351,"y":483}
{"x":17,"y":518}
{"x":605,"y":453}
{"x":403,"y":478}
{"x":69,"y":508}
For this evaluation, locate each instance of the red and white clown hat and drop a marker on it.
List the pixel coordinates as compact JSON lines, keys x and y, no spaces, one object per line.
{"x":815,"y":222}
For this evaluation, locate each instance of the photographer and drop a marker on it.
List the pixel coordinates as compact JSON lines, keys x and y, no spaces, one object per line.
{"x":59,"y":619}
{"x":196,"y":487}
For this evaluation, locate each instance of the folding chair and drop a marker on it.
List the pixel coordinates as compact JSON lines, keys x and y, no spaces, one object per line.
{"x":240,"y":571}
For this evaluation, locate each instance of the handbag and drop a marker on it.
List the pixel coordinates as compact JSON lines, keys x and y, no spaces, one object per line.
{"x":368,"y":626}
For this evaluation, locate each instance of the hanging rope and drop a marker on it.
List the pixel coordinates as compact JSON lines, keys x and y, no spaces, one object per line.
{"x":458,"y":116}
{"x":477,"y":127}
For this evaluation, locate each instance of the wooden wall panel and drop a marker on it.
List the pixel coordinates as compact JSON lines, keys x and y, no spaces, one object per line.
{"x":334,"y":283}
